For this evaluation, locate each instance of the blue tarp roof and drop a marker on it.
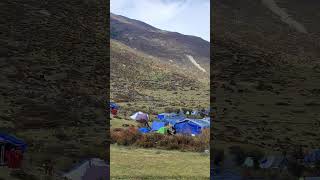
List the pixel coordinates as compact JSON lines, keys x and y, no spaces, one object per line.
{"x":156,"y":125}
{"x":173,"y":120}
{"x":144,"y":130}
{"x":187,"y":127}
{"x":312,"y":157}
{"x":203,"y":123}
{"x":13,"y":140}
{"x":166,"y":115}
{"x":114,"y":105}
{"x":191,"y":126}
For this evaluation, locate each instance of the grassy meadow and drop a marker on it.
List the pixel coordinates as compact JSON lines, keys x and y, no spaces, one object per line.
{"x":137,"y":163}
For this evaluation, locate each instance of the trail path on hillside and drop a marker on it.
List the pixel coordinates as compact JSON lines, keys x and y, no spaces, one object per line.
{"x":194,"y":62}
{"x":272,"y":5}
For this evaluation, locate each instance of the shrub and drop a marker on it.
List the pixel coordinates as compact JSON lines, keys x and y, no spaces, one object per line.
{"x":131,"y":136}
{"x":205,"y":136}
{"x":125,"y":136}
{"x":149,"y":140}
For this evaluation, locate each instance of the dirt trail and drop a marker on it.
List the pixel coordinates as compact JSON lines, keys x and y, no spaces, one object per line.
{"x":272,"y":5}
{"x":194,"y":62}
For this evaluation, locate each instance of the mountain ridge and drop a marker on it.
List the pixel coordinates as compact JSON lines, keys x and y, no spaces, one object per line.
{"x":167,"y":46}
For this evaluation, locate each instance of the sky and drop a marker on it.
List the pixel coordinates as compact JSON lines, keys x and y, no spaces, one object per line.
{"x":189,"y":17}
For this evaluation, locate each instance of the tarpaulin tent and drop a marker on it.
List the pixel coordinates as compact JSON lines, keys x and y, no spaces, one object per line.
{"x":162,"y":130}
{"x":191,"y":126}
{"x":8,"y":139}
{"x":157,"y":125}
{"x":312,"y":157}
{"x":114,"y":105}
{"x":140,"y":116}
{"x":162,"y":116}
{"x":7,"y":142}
{"x":144,"y":130}
{"x":203,"y":123}
{"x":89,"y":169}
{"x":172,"y":120}
{"x":206,"y":120}
{"x":194,"y":112}
{"x":273,"y":161}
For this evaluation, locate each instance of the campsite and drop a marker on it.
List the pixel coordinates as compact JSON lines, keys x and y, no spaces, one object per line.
{"x":138,"y":150}
{"x":157,"y":76}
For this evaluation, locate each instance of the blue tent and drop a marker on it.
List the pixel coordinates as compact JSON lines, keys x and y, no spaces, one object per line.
{"x":191,"y":126}
{"x":173,"y":119}
{"x":203,"y":123}
{"x":5,"y":138}
{"x":163,"y":116}
{"x":312,"y":157}
{"x":157,"y":125}
{"x":114,"y":105}
{"x":144,"y":130}
{"x":207,"y":119}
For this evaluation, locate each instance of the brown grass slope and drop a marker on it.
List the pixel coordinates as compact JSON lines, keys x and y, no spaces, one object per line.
{"x":162,"y":44}
{"x":53,"y":78}
{"x":136,"y":76}
{"x":266,"y":76}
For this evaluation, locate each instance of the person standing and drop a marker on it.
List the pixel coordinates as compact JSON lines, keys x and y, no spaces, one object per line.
{"x":45,"y":167}
{"x":50,"y":168}
{"x":146,"y":124}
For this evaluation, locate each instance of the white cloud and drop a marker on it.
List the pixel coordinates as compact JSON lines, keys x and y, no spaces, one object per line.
{"x":184,"y":16}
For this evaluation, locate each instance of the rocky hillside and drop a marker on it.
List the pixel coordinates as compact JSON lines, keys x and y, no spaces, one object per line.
{"x":266,"y":75}
{"x":53,"y":76}
{"x":170,"y":47}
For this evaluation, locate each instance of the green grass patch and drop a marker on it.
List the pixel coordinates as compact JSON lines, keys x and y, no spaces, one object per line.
{"x":138,"y":163}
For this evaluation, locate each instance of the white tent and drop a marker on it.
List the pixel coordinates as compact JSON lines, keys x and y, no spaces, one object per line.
{"x":248,"y":162}
{"x":140,"y":116}
{"x":91,"y":169}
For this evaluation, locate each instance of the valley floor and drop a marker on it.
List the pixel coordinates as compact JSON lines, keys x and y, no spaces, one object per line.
{"x":138,"y":163}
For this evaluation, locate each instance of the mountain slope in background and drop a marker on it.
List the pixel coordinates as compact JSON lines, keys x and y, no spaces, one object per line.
{"x":266,"y":75}
{"x":170,"y":47}
{"x":53,"y":81}
{"x":156,"y":69}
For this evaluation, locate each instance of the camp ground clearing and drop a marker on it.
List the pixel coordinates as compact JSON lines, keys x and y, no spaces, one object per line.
{"x":138,"y":163}
{"x":129,"y":162}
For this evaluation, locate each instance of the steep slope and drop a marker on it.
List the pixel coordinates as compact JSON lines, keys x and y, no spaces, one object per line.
{"x":53,"y":79}
{"x":266,"y":75}
{"x":136,"y":76}
{"x":171,"y":47}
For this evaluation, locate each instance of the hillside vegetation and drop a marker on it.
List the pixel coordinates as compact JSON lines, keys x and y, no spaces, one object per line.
{"x":266,"y":76}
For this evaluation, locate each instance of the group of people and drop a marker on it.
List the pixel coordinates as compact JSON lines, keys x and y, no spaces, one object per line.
{"x":14,"y":158}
